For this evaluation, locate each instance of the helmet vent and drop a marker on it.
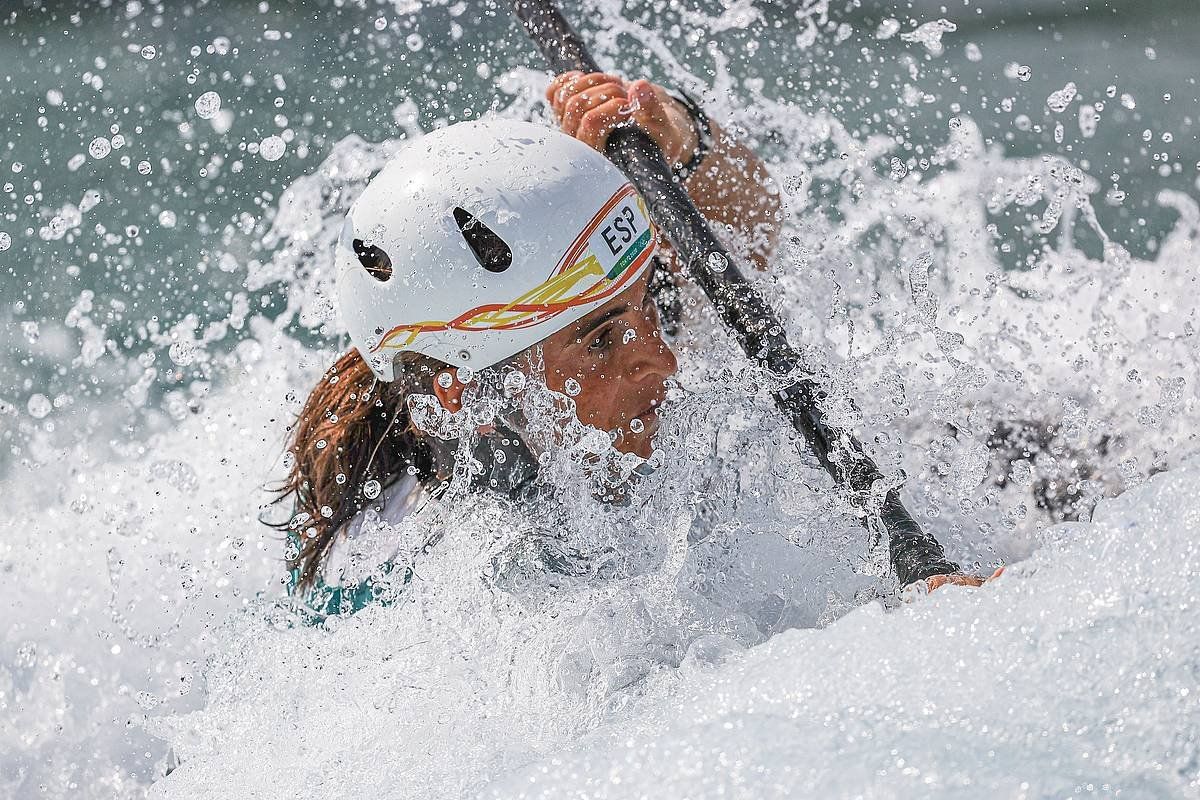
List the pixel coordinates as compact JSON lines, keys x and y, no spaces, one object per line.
{"x":492,"y":253}
{"x":374,"y":260}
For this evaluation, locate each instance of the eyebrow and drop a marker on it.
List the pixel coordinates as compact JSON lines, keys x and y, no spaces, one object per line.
{"x":613,"y":312}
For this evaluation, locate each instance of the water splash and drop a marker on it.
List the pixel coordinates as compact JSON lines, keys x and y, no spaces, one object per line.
{"x":1008,"y":354}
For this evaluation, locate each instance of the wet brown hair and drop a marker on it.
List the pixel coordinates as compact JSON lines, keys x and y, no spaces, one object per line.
{"x":352,"y":429}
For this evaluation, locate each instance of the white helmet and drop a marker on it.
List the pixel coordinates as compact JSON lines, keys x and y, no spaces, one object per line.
{"x":483,"y":238}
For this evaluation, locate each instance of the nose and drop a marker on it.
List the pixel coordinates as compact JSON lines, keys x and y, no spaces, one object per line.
{"x":655,"y":358}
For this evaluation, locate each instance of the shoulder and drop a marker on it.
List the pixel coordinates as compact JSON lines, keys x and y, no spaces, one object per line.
{"x":373,"y":536}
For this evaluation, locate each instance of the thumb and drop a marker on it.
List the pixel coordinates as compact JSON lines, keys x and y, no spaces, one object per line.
{"x":647,"y":105}
{"x":650,"y":114}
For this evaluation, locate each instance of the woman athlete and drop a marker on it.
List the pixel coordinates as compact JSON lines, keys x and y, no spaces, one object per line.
{"x":491,"y":253}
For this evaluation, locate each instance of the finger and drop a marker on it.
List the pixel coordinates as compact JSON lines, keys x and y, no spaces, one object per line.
{"x":558,"y":81}
{"x":578,"y":84}
{"x":650,"y":109}
{"x":997,"y":574}
{"x":598,"y":123}
{"x":584,"y":83}
{"x":585,"y":101}
{"x":936,"y":582}
{"x":650,"y":113}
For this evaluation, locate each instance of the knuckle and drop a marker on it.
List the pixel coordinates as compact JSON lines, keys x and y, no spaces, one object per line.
{"x":576,"y":103}
{"x":593,"y":122}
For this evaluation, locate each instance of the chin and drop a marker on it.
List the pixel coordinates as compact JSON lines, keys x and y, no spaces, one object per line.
{"x":642,"y":447}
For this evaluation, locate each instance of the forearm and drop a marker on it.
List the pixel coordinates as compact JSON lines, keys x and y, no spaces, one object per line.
{"x":733,"y":190}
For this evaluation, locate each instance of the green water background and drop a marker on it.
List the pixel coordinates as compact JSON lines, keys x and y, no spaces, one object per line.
{"x":315,"y":73}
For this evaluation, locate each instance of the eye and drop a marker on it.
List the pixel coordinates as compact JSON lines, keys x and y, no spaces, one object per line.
{"x":601,"y":341}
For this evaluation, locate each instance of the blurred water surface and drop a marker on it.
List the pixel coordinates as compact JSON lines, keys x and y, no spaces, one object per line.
{"x":129,"y":216}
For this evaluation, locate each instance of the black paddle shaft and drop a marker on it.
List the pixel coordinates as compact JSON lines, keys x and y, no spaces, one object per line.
{"x":914,"y":554}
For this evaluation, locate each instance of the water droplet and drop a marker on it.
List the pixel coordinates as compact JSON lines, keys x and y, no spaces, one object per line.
{"x":39,"y":406}
{"x":628,"y":336}
{"x":340,"y":478}
{"x":1058,"y":101}
{"x":31,"y":331}
{"x":414,"y":42}
{"x":1021,"y":472}
{"x":271,"y":148}
{"x":149,"y":52}
{"x":1089,"y":120}
{"x":596,"y":442}
{"x":514,"y":383}
{"x":465,"y":375}
{"x":381,"y":23}
{"x":1128,"y":102}
{"x":1024,"y":73}
{"x":973,"y":52}
{"x":208,"y":104}
{"x":371,"y":489}
{"x":445,"y":380}
{"x":326,"y":512}
{"x":930,"y":35}
{"x":182,"y":353}
{"x":717,"y":262}
{"x":571,"y":387}
{"x":5,"y":241}
{"x":166,"y":218}
{"x":888,"y":28}
{"x":898,"y":169}
{"x":99,"y":148}
{"x":636,"y":425}
{"x":794,"y":184}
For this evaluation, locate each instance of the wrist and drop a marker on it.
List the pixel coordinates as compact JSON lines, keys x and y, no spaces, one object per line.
{"x":689,"y":135}
{"x":699,"y":139}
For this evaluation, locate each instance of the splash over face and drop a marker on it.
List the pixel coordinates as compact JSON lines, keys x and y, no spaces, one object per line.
{"x":614,"y":363}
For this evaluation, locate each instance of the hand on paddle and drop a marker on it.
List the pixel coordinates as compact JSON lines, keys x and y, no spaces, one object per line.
{"x":938,"y":581}
{"x":589,"y":106}
{"x":733,"y":190}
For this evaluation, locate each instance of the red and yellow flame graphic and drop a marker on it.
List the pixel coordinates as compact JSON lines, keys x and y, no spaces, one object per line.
{"x":578,"y":279}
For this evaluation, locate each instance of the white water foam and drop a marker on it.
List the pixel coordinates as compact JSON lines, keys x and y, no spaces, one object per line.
{"x":1074,"y":674}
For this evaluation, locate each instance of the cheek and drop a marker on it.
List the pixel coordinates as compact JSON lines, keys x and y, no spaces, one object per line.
{"x":596,"y":399}
{"x":600,"y":391}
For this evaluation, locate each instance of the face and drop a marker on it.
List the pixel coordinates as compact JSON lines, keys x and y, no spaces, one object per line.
{"x":619,"y":360}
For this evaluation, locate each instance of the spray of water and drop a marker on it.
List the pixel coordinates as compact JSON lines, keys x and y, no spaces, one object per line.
{"x":712,"y":620}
